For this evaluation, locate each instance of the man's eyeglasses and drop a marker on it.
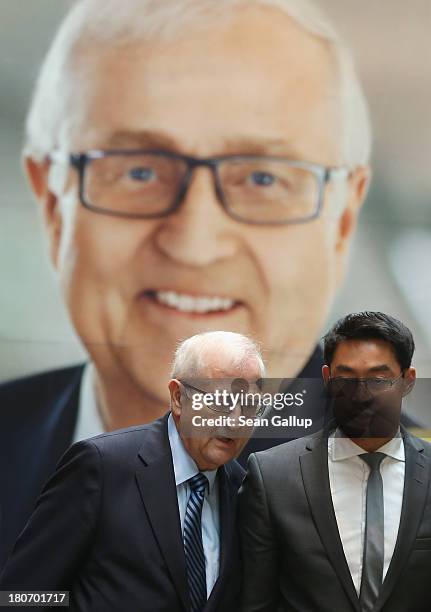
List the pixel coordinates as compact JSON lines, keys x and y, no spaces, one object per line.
{"x":147,"y":184}
{"x":249,"y":408}
{"x":348,"y":387}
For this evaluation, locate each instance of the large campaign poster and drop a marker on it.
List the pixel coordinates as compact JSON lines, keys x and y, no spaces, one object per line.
{"x":388,"y":263}
{"x":87,"y":280}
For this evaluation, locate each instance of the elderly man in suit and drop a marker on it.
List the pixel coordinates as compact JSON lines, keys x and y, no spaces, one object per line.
{"x":340,"y":521}
{"x":142,"y":519}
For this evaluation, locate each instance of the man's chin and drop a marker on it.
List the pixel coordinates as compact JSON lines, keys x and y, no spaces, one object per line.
{"x":223,"y":450}
{"x":369,"y":429}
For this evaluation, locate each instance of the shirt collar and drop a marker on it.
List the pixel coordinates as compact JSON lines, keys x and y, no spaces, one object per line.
{"x":341,"y":447}
{"x":88,"y":421}
{"x":184,"y":466}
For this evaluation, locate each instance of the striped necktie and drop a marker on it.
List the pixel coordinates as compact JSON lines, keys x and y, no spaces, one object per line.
{"x":193,"y":547}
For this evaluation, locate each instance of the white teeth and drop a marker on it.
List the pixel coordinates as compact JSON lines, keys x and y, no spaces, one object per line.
{"x":189,"y":303}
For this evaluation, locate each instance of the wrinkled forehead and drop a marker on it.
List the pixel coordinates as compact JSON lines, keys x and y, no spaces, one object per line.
{"x":259,"y":74}
{"x":228,"y":384}
{"x":226,"y":364}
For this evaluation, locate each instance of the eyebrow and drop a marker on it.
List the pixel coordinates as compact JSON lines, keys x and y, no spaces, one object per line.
{"x":374,"y":369}
{"x":240,"y":145}
{"x":259,"y":146}
{"x":144,"y":138}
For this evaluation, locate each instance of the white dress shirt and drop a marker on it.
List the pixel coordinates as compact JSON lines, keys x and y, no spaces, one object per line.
{"x":348,"y":476}
{"x":184,"y":469}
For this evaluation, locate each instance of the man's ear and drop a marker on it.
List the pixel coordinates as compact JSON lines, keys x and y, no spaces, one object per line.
{"x":357,"y":189}
{"x":326,"y":374}
{"x":175,"y":393}
{"x":39,"y":174}
{"x":409,"y":380}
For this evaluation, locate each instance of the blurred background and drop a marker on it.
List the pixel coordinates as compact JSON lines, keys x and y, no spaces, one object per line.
{"x":390,"y":261}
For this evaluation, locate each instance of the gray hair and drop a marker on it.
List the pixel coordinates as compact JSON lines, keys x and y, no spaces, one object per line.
{"x":193,"y":356}
{"x":53,"y":114}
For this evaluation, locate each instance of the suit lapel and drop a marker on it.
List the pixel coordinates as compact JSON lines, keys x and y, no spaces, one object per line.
{"x":416,"y":484}
{"x":156,"y":483}
{"x":227,"y":497}
{"x":314,"y":469}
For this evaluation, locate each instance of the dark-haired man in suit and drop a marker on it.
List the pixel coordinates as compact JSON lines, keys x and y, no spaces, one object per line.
{"x":339,"y":520}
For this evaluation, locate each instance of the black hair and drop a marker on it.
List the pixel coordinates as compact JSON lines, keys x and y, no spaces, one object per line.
{"x":367,"y":325}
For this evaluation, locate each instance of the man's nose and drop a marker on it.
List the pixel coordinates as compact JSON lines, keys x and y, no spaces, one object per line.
{"x":234,"y":422}
{"x":361,"y":393}
{"x":199,"y":232}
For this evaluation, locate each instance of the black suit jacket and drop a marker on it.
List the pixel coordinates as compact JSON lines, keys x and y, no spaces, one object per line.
{"x":293,"y":555}
{"x":107,"y":529}
{"x":37,"y":421}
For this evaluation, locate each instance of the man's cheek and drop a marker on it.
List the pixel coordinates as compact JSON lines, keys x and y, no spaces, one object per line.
{"x":92,"y":254}
{"x":307,"y":271}
{"x":94,"y":300}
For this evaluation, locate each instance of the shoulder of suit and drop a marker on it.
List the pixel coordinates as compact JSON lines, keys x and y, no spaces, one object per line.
{"x":121,"y":435}
{"x":291,"y":448}
{"x":427,"y":447}
{"x":420,"y":444}
{"x":41,"y":382}
{"x":30,"y":398}
{"x":130,"y":440}
{"x":236,"y":472}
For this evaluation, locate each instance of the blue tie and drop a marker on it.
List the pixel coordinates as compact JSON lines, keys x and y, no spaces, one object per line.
{"x":193,"y":547}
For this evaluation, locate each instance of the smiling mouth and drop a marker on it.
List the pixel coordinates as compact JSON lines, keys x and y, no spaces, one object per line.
{"x":192,"y":304}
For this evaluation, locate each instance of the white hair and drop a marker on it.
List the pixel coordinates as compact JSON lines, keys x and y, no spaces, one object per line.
{"x":195,"y":355}
{"x":54,"y":112}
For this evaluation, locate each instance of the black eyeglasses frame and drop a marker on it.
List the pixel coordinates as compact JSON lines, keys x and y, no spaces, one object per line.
{"x":80,"y":161}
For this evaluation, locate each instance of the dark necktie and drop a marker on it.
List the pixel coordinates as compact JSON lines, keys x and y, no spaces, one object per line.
{"x":193,"y":547}
{"x":373,"y":559}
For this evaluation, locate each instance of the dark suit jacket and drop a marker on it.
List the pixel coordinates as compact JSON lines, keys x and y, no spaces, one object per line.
{"x":107,"y":528}
{"x":37,"y":420}
{"x":293,"y":555}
